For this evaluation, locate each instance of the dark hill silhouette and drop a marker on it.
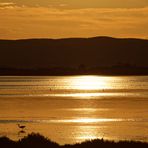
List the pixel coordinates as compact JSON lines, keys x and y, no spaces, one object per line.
{"x":72,"y":52}
{"x":38,"y":141}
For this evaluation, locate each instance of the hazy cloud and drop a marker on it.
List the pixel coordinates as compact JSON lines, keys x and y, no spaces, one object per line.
{"x":50,"y":22}
{"x":6,"y":5}
{"x":82,"y":3}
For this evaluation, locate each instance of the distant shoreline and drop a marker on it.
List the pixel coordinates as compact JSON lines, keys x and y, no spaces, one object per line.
{"x":96,"y":55}
{"x":60,"y":71}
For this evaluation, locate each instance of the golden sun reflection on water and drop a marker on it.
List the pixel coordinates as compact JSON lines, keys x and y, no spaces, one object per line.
{"x":88,"y":133}
{"x":89,"y":83}
{"x":85,"y":120}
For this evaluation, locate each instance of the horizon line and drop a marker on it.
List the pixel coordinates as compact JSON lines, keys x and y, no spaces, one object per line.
{"x":91,"y":37}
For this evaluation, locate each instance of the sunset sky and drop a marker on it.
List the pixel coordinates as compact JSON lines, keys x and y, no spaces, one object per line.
{"x":73,"y":18}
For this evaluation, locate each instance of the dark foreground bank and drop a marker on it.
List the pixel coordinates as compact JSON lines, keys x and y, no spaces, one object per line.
{"x":39,"y":141}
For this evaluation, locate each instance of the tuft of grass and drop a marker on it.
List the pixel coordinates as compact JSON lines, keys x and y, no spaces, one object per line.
{"x":6,"y":142}
{"x":36,"y":141}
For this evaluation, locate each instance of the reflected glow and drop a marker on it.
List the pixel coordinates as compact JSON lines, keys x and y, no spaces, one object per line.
{"x":84,"y":120}
{"x":82,"y":95}
{"x":84,"y":133}
{"x":87,"y":133}
{"x":89,"y":83}
{"x":89,"y":120}
{"x":89,"y":109}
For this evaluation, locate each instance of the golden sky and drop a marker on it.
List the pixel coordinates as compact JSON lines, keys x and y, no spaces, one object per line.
{"x":73,"y":18}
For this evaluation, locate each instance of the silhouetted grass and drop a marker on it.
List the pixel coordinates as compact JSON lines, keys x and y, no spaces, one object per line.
{"x":39,"y":141}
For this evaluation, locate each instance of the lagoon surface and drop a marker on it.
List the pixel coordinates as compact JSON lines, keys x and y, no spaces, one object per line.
{"x":70,"y":109}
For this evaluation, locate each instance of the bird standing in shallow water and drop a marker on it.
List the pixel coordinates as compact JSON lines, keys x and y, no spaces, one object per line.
{"x":21,"y":126}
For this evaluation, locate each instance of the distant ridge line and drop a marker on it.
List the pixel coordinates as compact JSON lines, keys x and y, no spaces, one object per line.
{"x":105,"y":55}
{"x":95,"y":37}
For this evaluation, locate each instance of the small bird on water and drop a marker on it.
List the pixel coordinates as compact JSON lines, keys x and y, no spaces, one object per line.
{"x":21,"y":126}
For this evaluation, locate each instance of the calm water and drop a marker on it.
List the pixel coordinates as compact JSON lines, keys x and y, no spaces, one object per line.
{"x":72,"y":109}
